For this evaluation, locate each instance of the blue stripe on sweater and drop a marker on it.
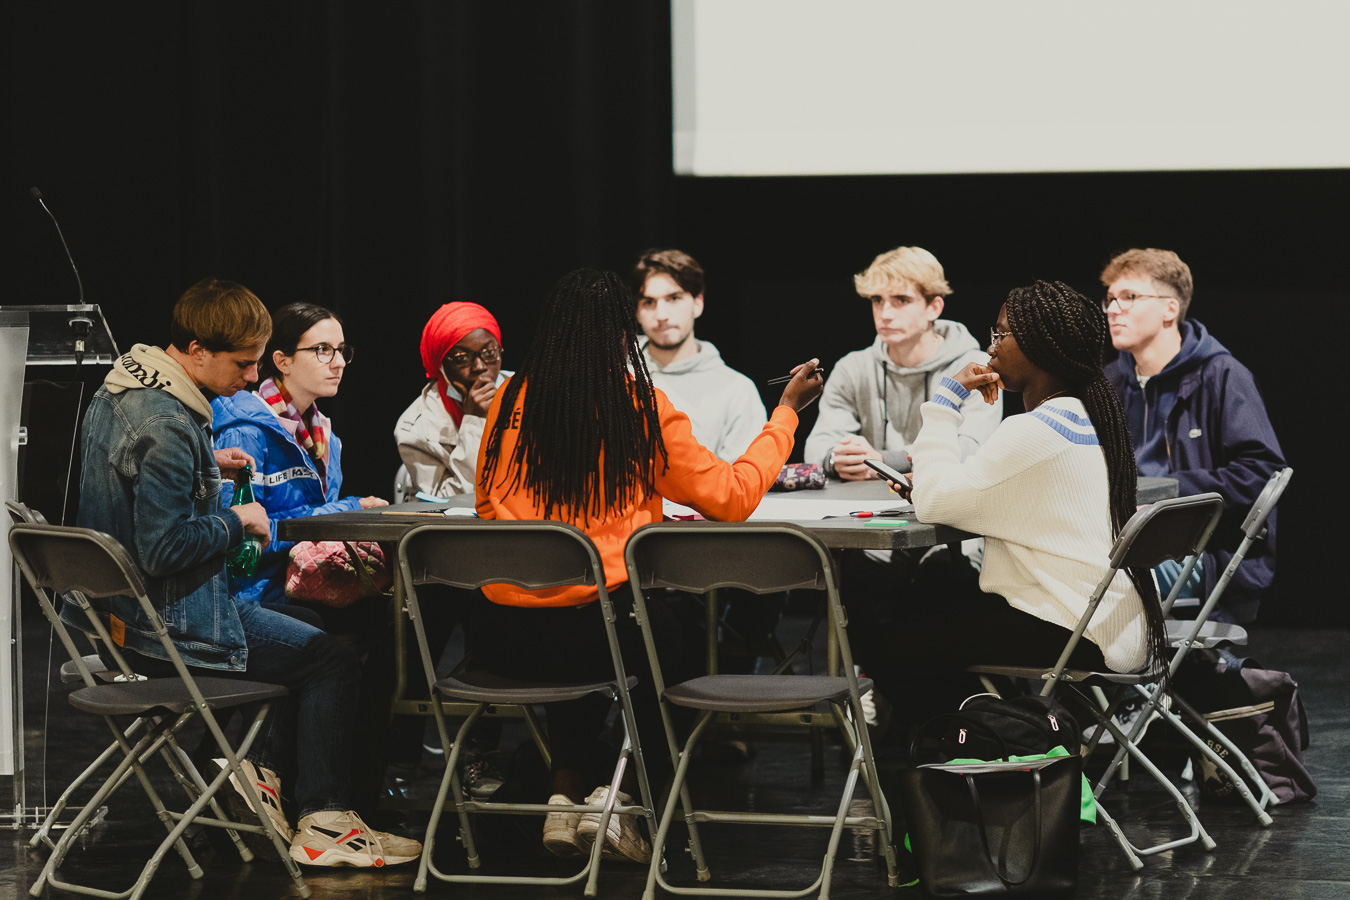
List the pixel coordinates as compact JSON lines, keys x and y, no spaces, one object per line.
{"x":1088,"y":439}
{"x":950,"y":393}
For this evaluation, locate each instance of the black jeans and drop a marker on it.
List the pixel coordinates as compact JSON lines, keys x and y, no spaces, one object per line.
{"x":915,"y":639}
{"x":562,"y":644}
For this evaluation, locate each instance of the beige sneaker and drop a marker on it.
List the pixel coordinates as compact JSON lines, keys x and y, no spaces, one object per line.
{"x":341,"y":838}
{"x":623,"y":840}
{"x":268,"y":785}
{"x":560,"y":830}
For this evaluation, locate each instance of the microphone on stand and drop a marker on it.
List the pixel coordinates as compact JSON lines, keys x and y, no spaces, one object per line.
{"x":80,"y":325}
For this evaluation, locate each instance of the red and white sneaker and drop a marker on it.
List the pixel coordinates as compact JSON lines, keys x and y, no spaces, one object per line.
{"x":340,"y":838}
{"x":268,"y":786}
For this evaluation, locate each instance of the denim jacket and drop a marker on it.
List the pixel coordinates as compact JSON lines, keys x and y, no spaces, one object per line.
{"x":150,"y":480}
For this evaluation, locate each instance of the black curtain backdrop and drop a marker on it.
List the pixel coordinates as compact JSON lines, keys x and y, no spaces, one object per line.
{"x":382,"y":159}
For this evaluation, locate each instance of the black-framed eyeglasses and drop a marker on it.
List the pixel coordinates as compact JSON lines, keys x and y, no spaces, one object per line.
{"x":995,"y":336}
{"x":463,"y":358}
{"x":324,"y":352}
{"x":1125,"y":299}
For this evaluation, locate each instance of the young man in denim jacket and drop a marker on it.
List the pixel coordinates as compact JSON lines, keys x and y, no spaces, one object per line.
{"x":151,"y":478}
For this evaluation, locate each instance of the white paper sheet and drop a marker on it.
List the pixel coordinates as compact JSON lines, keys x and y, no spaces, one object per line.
{"x":793,"y":508}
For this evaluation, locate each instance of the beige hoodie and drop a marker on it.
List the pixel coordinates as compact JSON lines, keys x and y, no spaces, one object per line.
{"x":144,"y":366}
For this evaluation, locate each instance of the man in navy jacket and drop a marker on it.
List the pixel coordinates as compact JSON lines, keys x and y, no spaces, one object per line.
{"x":1194,"y":411}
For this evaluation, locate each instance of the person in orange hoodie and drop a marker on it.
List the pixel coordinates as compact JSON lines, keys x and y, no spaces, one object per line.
{"x":580,"y":435}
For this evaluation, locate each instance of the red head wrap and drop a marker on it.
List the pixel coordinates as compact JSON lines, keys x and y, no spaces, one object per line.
{"x":446,"y":328}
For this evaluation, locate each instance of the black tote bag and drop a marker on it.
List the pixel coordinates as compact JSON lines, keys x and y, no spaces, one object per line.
{"x":995,"y":827}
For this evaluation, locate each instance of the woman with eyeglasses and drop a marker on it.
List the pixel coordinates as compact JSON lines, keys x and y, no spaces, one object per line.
{"x":438,"y":435}
{"x":299,"y":458}
{"x":1050,"y":490}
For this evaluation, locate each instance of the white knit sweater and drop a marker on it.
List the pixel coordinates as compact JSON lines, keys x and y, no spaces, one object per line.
{"x":1037,"y":490}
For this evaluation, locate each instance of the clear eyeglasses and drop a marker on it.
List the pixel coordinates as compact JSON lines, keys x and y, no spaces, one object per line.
{"x":324,"y":352}
{"x":1125,"y":299}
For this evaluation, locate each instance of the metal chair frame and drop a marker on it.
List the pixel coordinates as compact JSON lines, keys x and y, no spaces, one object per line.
{"x":1186,"y":635}
{"x":704,"y":556}
{"x":532,"y":555}
{"x":46,"y":556}
{"x":1170,"y":529}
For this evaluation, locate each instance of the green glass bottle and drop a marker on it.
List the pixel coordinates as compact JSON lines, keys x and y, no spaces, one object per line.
{"x":243,"y":560}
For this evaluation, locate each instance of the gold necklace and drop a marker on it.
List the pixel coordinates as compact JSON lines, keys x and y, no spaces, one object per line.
{"x":1052,"y":396}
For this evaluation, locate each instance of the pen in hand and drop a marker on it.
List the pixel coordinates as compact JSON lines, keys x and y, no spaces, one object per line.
{"x":784,"y":379}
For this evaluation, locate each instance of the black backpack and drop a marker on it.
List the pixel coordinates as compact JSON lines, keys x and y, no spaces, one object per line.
{"x":991,"y":727}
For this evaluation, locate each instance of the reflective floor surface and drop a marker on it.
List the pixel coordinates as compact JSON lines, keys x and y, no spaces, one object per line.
{"x":1304,"y":854}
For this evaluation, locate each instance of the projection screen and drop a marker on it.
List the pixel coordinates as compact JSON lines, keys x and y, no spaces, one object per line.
{"x":852,"y":87}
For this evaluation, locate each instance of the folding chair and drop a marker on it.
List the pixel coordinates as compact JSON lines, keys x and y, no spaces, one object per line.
{"x":78,"y":563}
{"x":1184,"y":635}
{"x":704,"y":556}
{"x":532,"y":555}
{"x":1171,"y":529}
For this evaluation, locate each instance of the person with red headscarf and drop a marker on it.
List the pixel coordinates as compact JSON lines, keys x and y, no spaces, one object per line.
{"x":438,"y":435}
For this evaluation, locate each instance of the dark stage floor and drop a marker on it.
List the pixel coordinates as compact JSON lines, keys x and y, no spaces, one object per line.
{"x":1302,"y":855}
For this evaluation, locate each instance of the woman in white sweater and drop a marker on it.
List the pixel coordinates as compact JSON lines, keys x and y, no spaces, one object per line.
{"x":1049,"y":490}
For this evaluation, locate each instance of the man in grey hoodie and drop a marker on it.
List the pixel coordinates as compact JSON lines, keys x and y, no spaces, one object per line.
{"x":723,"y":406}
{"x":870,"y":408}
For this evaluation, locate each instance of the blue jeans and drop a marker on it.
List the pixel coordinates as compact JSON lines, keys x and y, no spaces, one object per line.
{"x":1169,"y":570}
{"x":314,"y":723}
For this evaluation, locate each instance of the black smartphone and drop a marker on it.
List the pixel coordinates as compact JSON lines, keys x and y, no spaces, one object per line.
{"x":886,"y":471}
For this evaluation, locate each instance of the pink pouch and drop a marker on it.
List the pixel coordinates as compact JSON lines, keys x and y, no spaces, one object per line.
{"x":800,"y":476}
{"x":324,"y":572}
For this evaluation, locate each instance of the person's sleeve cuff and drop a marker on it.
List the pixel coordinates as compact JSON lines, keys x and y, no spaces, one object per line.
{"x":950,"y":393}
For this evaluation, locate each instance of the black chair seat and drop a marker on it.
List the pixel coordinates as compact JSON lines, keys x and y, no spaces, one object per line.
{"x":761,"y":693}
{"x":486,"y":687}
{"x":159,"y":696}
{"x":96,"y":666}
{"x":1073,"y":676}
{"x":1212,"y":634}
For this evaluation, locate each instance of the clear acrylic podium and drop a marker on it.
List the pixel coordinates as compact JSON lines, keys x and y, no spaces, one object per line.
{"x":75,"y":334}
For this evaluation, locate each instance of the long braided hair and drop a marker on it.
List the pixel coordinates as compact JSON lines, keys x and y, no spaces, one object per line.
{"x":589,"y":430}
{"x":1066,"y":334}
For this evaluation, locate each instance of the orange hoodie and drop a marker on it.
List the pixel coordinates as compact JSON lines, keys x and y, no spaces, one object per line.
{"x":695,"y":477}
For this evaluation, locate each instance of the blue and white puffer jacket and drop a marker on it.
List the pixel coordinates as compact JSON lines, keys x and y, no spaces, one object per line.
{"x":285,"y":482}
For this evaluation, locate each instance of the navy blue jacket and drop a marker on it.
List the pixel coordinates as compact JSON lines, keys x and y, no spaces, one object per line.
{"x":286,"y":483}
{"x":1202,"y":421}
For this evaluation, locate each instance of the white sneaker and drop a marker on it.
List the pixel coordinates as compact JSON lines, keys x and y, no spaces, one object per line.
{"x":868,"y":701}
{"x":623,"y":840}
{"x":268,"y":786}
{"x":340,"y":838}
{"x":560,"y":830}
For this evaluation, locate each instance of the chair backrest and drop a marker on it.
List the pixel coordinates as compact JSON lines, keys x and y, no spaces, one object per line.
{"x":22,"y":513}
{"x":702,"y":556}
{"x":470,"y":553}
{"x":1255,"y":523}
{"x":1169,"y":529}
{"x":759,"y":557}
{"x":38,"y":549}
{"x":64,"y":558}
{"x":402,"y":485}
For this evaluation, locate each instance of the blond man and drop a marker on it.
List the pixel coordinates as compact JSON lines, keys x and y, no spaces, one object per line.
{"x":870,"y":408}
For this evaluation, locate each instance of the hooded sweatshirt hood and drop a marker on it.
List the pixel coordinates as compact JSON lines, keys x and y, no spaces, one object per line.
{"x":144,"y":366}
{"x":724,"y":407}
{"x":1148,"y":407}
